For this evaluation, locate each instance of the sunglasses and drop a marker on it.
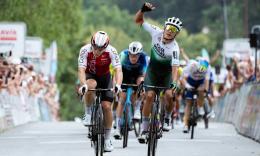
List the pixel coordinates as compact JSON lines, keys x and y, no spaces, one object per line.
{"x":134,"y":55}
{"x":171,"y":28}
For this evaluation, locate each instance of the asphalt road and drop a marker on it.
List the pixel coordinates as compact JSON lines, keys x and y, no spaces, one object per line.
{"x":69,"y":139}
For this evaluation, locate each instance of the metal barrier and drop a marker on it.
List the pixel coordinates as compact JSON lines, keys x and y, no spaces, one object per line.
{"x":18,"y":110}
{"x":242,"y":108}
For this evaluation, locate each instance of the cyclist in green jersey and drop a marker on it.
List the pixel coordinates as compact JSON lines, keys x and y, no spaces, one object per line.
{"x":163,"y":67}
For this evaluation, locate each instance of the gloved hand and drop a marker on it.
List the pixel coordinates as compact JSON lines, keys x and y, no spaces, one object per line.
{"x":83,"y":89}
{"x":174,"y":86}
{"x":147,"y":7}
{"x":188,"y":86}
{"x":117,"y":88}
{"x":140,"y":89}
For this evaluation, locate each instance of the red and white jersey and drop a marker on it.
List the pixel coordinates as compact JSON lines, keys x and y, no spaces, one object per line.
{"x":98,"y":65}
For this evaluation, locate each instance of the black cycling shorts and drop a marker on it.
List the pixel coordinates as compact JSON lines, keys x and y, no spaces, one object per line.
{"x":104,"y":81}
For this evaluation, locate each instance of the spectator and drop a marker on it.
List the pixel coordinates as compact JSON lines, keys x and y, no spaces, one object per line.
{"x":17,"y":79}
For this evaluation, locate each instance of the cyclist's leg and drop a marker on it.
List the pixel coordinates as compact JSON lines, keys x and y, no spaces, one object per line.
{"x":201,"y":98}
{"x":119,"y":112}
{"x":137,"y":101}
{"x":169,"y":109}
{"x":188,"y":101}
{"x":147,"y":109}
{"x":115,"y":102}
{"x":89,"y":99}
{"x":169,"y":103}
{"x":90,"y":96}
{"x":106,"y":101}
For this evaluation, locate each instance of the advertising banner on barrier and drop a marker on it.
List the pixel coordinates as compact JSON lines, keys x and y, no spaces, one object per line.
{"x":12,"y":38}
{"x":33,"y":47}
{"x":241,"y":108}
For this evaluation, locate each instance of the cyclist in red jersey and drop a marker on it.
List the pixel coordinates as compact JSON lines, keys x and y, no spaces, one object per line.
{"x":93,"y":72}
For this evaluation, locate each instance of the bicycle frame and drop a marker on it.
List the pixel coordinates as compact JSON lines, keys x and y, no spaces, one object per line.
{"x":97,"y":124}
{"x":155,"y":130}
{"x":127,"y":105}
{"x":127,"y":111}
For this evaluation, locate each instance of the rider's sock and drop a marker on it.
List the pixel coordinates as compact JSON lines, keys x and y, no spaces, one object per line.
{"x":107,"y":133}
{"x":138,"y":104}
{"x":145,"y":123}
{"x":118,"y":120}
{"x":87,"y":109}
{"x":114,"y":115}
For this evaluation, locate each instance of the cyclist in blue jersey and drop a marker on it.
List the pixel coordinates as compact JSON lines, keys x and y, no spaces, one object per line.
{"x":134,"y":64}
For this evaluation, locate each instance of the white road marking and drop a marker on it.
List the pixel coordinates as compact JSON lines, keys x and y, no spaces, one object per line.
{"x":53,"y":132}
{"x":65,"y":142}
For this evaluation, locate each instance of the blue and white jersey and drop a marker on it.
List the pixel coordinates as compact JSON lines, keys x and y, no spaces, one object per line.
{"x":141,"y":65}
{"x":192,"y":71}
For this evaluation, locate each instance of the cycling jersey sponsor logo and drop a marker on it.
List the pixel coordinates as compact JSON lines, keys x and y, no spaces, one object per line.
{"x":92,"y":66}
{"x":159,"y":50}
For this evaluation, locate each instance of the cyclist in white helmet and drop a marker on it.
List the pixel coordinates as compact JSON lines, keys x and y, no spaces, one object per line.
{"x":163,"y":66}
{"x":93,"y":72}
{"x":134,"y":64}
{"x":195,"y":75}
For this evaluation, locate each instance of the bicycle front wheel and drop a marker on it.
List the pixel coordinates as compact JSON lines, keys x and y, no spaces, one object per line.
{"x":153,"y":134}
{"x":99,"y":133}
{"x":125,"y":129}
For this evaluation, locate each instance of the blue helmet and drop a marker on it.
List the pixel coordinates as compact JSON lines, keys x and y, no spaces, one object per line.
{"x":203,"y":65}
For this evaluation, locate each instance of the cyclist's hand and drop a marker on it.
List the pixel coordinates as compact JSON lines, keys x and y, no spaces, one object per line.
{"x":207,"y":93}
{"x":83,"y":89}
{"x":140,"y":88}
{"x":147,"y":7}
{"x":188,"y":86}
{"x":175,"y":87}
{"x":117,"y":88}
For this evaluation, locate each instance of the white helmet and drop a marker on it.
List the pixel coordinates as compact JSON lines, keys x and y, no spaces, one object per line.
{"x":135,"y":47}
{"x":100,"y":40}
{"x":175,"y":22}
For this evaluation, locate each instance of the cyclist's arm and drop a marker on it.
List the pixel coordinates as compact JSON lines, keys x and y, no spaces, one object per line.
{"x":175,"y":73}
{"x":118,"y":75}
{"x":175,"y":63}
{"x":117,"y":66}
{"x":184,"y":55}
{"x":207,"y":78}
{"x":82,"y":65}
{"x":215,"y":57}
{"x":139,"y":17}
{"x":183,"y":81}
{"x":82,"y":75}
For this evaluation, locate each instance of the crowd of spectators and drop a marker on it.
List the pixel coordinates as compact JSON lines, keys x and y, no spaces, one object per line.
{"x":239,"y":71}
{"x":17,"y":78}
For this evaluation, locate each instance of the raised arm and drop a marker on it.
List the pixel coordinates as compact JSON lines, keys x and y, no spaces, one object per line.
{"x":139,"y":16}
{"x":184,"y":55}
{"x":215,"y":57}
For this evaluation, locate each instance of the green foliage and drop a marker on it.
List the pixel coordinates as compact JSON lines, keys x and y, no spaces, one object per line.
{"x":59,"y":20}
